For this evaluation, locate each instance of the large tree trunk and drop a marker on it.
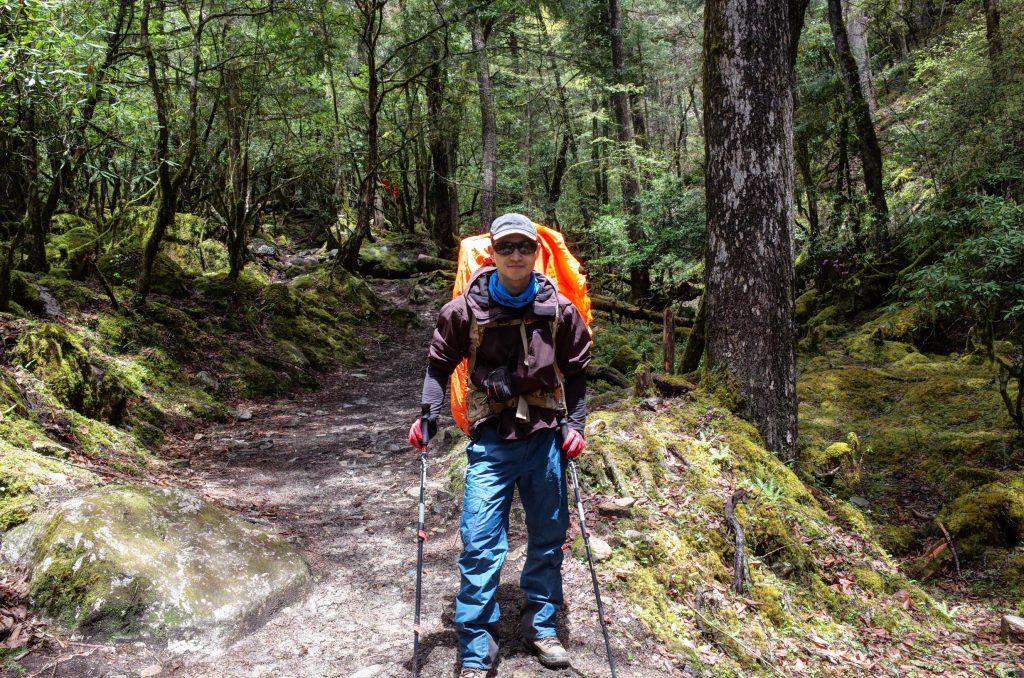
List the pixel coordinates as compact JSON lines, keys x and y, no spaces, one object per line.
{"x":443,"y":196}
{"x":870,"y":152}
{"x":639,"y":275}
{"x":488,"y":126}
{"x":748,"y":129}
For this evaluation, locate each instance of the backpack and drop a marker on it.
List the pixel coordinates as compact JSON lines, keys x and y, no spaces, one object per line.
{"x":555,"y":261}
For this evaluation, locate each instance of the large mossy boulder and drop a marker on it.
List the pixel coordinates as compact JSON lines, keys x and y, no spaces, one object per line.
{"x":134,"y":561}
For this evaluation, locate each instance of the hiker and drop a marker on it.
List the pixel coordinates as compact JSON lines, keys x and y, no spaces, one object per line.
{"x":528,"y":338}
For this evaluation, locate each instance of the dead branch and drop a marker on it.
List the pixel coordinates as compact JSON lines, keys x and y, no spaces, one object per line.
{"x":952,"y":549}
{"x":739,"y":558}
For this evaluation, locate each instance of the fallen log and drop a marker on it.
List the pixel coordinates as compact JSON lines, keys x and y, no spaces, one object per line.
{"x":426,"y":263}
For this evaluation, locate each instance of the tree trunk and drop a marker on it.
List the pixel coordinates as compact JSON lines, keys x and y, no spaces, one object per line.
{"x":639,"y":275}
{"x":857,"y":28}
{"x":488,"y":125}
{"x":70,"y":159}
{"x":992,"y":34}
{"x":748,"y":129}
{"x":443,"y":197}
{"x":870,"y":152}
{"x":372,"y":12}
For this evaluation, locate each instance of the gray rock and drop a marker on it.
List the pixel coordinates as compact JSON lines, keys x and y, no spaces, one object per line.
{"x":600,"y":549}
{"x":859,"y":502}
{"x":242,"y":415}
{"x":208,"y":380}
{"x":294,"y":354}
{"x":1012,"y":628}
{"x":262,"y":247}
{"x":134,"y":561}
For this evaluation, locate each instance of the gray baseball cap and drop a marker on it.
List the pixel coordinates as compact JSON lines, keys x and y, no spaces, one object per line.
{"x":510,"y":223}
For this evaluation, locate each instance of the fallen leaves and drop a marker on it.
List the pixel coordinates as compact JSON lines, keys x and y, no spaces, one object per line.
{"x":17,"y":626}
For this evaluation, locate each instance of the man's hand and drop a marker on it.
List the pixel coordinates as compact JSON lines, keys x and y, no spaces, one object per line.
{"x":416,"y":433}
{"x":573,"y":444}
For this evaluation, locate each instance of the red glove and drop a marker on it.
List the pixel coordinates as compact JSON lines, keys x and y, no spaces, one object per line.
{"x":573,"y":444}
{"x":416,"y":435}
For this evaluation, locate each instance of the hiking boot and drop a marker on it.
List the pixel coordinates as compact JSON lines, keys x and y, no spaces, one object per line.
{"x":472,"y":672}
{"x":550,"y":652}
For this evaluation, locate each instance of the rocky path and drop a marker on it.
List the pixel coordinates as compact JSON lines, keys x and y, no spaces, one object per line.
{"x":331,"y":470}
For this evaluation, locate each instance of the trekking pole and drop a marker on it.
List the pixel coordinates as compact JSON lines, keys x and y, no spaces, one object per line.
{"x":421,"y":536}
{"x":590,"y":558}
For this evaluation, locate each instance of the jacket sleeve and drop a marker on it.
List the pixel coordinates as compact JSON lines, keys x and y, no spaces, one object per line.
{"x":573,"y":353}
{"x":448,"y":347}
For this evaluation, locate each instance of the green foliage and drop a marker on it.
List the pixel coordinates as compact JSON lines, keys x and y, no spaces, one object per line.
{"x":981,"y":276}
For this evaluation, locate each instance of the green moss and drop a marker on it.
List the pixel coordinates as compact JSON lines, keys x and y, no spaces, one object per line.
{"x":870,"y":348}
{"x":868,"y":579}
{"x":27,"y":478}
{"x":58,"y":358}
{"x":899,"y":540}
{"x":991,"y":515}
{"x":806,"y":305}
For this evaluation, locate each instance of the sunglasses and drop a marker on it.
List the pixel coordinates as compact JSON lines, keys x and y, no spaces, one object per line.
{"x":507,"y":248}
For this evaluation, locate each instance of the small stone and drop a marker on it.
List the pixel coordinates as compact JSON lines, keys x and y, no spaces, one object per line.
{"x":517,"y":553}
{"x":265,"y":444}
{"x":651,"y":404}
{"x":152,"y":670}
{"x":600,"y":549}
{"x":197,"y":437}
{"x":243,"y":415}
{"x":413,"y":491}
{"x":618,"y":507}
{"x":859,"y":502}
{"x":595,"y":426}
{"x":632,"y":535}
{"x":368,"y":672}
{"x":181,"y":463}
{"x":1012,"y":628}
{"x":49,"y":448}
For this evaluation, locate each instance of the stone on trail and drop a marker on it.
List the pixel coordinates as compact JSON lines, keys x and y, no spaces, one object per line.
{"x":600,"y":549}
{"x":137,"y":561}
{"x":1012,"y":628}
{"x":368,"y":672}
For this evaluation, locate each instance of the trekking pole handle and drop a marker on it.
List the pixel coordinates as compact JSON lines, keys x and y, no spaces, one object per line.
{"x":424,"y":425}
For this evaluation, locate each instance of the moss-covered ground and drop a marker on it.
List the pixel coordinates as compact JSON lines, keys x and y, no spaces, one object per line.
{"x":97,"y":387}
{"x":835,"y":586}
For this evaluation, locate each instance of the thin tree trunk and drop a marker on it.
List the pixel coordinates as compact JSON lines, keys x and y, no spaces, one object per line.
{"x":992,"y":33}
{"x":488,"y":125}
{"x":639,"y":274}
{"x":870,"y":151}
{"x":748,"y":130}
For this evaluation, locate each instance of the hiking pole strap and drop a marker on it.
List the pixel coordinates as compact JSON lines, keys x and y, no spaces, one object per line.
{"x":590,"y":560}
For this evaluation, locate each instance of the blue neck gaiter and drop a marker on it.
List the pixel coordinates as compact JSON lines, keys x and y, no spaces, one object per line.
{"x":501,"y":295}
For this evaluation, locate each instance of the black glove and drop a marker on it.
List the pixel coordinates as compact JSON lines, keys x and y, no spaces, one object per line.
{"x":498,"y":385}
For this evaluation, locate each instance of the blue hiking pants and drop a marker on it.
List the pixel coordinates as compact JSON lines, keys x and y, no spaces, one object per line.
{"x":497,"y":466}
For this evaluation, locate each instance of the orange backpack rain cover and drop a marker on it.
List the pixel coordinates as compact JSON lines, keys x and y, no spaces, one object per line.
{"x":555,"y":261}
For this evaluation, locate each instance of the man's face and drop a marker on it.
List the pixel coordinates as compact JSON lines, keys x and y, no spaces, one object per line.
{"x":514,"y":267}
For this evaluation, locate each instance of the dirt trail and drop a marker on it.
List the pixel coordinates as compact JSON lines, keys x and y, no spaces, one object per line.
{"x":331,"y":470}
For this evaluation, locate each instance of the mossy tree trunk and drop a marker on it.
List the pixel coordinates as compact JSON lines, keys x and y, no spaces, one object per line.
{"x":170,"y":186}
{"x":749,"y":50}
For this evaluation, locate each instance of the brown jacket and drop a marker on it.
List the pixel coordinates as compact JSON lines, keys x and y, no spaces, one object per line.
{"x":503,"y":345}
